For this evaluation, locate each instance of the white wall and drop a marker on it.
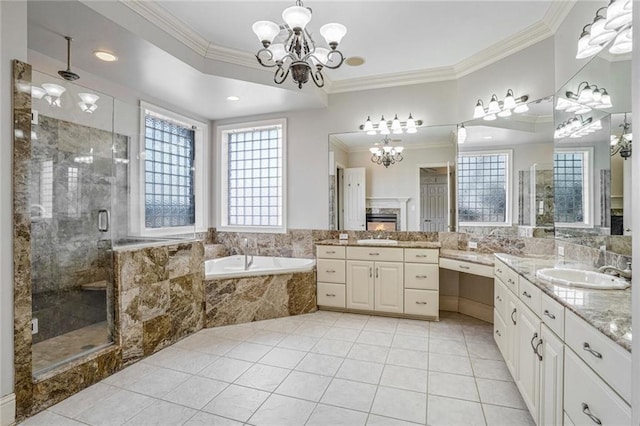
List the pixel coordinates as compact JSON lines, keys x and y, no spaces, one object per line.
{"x":13,"y":45}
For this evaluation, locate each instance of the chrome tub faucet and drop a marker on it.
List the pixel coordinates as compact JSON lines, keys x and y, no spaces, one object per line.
{"x":623,"y":273}
{"x":248,"y":260}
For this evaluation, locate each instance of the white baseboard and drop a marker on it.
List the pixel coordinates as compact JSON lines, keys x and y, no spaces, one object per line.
{"x":448,"y":303}
{"x":8,"y":409}
{"x":475,"y":309}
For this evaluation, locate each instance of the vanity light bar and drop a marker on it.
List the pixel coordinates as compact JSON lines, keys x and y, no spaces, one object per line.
{"x":612,"y":22}
{"x":394,"y":126}
{"x":577,"y":127}
{"x":502,"y":108}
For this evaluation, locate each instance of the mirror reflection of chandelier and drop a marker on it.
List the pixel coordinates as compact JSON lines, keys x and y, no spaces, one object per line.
{"x":622,"y":144}
{"x":386,"y":154}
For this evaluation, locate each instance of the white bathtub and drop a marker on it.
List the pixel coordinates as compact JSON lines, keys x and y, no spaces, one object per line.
{"x":233,"y":266}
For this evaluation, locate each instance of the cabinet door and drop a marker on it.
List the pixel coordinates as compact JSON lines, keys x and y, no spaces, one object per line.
{"x":551,"y":378}
{"x":360,"y":284}
{"x":389,"y":287}
{"x":528,"y":364}
{"x":511,"y":341}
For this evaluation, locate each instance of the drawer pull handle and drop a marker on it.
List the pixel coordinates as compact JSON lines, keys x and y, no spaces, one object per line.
{"x":535,"y":336}
{"x":331,"y":252}
{"x":499,"y":270}
{"x":421,"y":255}
{"x":370,"y":272}
{"x":588,"y":413}
{"x":421,"y":277}
{"x":498,"y":299}
{"x":525,"y":294}
{"x":512,"y":314}
{"x":331,"y":271}
{"x":374,"y":254}
{"x":549,"y":314}
{"x":331,"y":295}
{"x":536,"y":349}
{"x":421,"y":303}
{"x":587,"y":348}
{"x":498,"y":333}
{"x":377,"y":272}
{"x":464,"y":267}
{"x":510,"y":281}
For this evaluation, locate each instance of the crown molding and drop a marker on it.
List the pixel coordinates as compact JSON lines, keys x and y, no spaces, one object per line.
{"x":169,"y":23}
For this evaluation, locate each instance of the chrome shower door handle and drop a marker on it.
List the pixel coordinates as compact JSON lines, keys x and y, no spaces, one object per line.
{"x":103,"y":220}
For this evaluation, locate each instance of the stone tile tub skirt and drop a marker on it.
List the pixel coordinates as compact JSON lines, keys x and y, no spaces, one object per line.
{"x":233,"y":266}
{"x":246,"y":299}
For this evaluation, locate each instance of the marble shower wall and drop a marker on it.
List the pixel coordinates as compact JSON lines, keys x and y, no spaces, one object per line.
{"x":160,"y":296}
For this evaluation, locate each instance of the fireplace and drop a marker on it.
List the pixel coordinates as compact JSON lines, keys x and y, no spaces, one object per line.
{"x":382,"y":221}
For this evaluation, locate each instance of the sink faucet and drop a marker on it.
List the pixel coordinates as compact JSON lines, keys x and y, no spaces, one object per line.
{"x":248,"y":260}
{"x":624,"y":273}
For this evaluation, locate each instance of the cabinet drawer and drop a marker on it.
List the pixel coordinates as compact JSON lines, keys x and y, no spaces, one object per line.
{"x":421,"y":276}
{"x":586,"y":395}
{"x":500,"y":298}
{"x":602,"y":354}
{"x":330,"y":252}
{"x":331,"y":271}
{"x":421,"y":255}
{"x":332,"y":295}
{"x":552,"y":314}
{"x":375,"y":253}
{"x":467,"y":267}
{"x":421,"y":302}
{"x":500,"y":332}
{"x":530,"y":295}
{"x":507,"y":275}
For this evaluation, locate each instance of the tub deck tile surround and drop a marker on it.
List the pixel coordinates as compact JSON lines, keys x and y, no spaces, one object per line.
{"x":161,"y":298}
{"x":246,"y":299}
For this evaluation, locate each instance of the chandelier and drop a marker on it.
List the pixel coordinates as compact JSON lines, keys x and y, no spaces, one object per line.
{"x":296,"y":52}
{"x":386,"y":154}
{"x":614,"y":25}
{"x":622,"y":144}
{"x":502,"y":108}
{"x":396,"y":126}
{"x":577,"y":127}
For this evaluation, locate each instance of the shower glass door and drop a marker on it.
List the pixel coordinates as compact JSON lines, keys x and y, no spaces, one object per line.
{"x":70,"y":195}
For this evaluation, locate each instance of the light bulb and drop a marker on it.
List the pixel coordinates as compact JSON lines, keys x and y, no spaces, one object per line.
{"x":266,"y":31}
{"x":296,"y":17}
{"x":599,"y":34}
{"x":479,"y":109}
{"x":321,"y":54}
{"x":586,"y":95}
{"x":333,"y":33}
{"x":509,"y":101}
{"x":494,"y":106}
{"x":521,"y":108}
{"x":411,"y":125}
{"x":462,"y":134}
{"x":368,"y":126}
{"x":395,"y":126}
{"x":399,"y":149}
{"x":382,"y":127}
{"x":585,"y":50}
{"x":605,"y":101}
{"x":89,"y":98}
{"x":37,"y":92}
{"x":623,"y":43}
{"x":54,"y":90}
{"x":278,"y":51}
{"x":489,"y":117}
{"x":504,"y":113}
{"x":617,"y":15}
{"x":374,"y":150}
{"x":386,"y":148}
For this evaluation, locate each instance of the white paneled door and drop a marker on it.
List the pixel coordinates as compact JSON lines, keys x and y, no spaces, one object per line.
{"x":354,"y":199}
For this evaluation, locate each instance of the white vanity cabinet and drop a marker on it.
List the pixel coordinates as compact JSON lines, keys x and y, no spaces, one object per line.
{"x":567,"y":372}
{"x":395,"y":280}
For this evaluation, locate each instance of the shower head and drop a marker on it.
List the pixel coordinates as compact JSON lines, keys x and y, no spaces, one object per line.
{"x":68,"y":74}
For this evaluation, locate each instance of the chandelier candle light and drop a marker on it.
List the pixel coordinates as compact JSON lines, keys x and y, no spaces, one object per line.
{"x":297,"y":53}
{"x":622,"y":144}
{"x":610,"y":23}
{"x":395,"y":126}
{"x":502,"y":108}
{"x":386,"y":154}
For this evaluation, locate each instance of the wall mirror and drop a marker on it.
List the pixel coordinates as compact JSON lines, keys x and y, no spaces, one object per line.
{"x":505,"y":173}
{"x":414,"y":193}
{"x":592,"y":165}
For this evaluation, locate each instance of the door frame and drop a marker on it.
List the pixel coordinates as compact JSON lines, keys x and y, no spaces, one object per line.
{"x":418,"y":213}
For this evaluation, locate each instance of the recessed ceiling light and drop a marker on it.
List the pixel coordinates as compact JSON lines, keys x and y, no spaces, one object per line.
{"x":354,"y":61}
{"x":487,"y":137}
{"x":233,"y":98}
{"x":105,"y":56}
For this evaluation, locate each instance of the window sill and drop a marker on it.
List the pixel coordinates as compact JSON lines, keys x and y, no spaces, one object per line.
{"x":252,"y":229}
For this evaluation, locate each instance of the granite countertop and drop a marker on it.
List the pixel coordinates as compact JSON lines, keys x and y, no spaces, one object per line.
{"x":401,"y":244}
{"x":607,"y":310}
{"x":468,"y":256}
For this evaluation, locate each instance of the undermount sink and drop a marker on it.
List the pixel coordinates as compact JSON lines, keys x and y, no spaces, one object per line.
{"x":379,"y":241}
{"x":585,"y":279}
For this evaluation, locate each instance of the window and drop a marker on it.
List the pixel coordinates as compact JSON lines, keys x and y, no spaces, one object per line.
{"x":252,"y":177}
{"x":571,"y":180}
{"x":170,"y":195}
{"x":169,"y":198}
{"x":484,"y":196}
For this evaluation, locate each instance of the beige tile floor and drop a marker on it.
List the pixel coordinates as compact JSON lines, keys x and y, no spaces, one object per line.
{"x":53,"y":351}
{"x":324,"y":368}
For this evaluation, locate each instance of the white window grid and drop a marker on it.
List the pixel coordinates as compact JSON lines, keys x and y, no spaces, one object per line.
{"x":483,"y":188}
